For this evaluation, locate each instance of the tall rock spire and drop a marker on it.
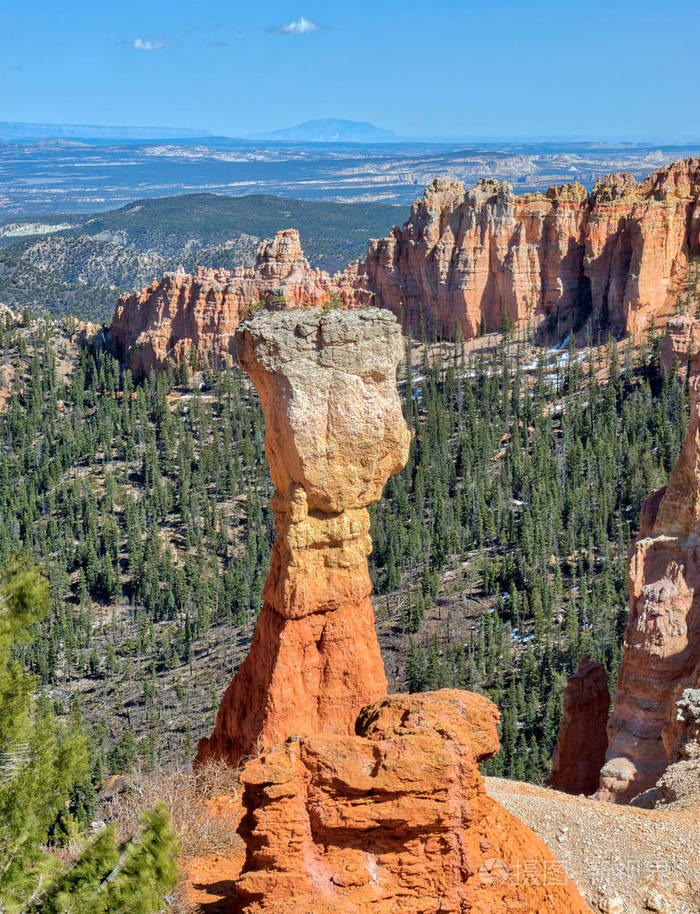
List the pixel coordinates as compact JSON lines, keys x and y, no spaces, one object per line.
{"x":661,"y":654}
{"x":582,"y":741}
{"x":334,"y":434}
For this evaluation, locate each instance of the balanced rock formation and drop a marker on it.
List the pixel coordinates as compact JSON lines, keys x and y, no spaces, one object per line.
{"x":393,"y":819}
{"x":334,"y":433}
{"x":161,"y":324}
{"x":469,"y":259}
{"x":580,"y":751}
{"x":661,"y":652}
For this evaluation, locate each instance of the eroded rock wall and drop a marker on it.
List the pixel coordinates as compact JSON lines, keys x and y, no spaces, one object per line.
{"x":467,"y":259}
{"x":395,"y":818}
{"x":161,"y":324}
{"x":472,"y":258}
{"x":661,"y":652}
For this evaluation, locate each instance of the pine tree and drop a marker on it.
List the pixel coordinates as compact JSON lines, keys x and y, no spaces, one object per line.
{"x":43,"y":763}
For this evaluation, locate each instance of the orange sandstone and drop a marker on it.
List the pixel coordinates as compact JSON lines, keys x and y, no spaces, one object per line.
{"x":465,"y":259}
{"x":161,"y":324}
{"x":661,"y":653}
{"x":393,"y":819}
{"x":470,"y":259}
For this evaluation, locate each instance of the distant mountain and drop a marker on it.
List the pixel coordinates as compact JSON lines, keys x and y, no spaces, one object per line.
{"x":17,"y":131}
{"x":330,"y":130}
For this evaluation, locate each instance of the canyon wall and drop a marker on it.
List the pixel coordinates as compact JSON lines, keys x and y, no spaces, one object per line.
{"x":472,"y":259}
{"x":661,"y":651}
{"x":161,"y":324}
{"x":334,"y":433}
{"x":395,"y":818}
{"x":467,"y":259}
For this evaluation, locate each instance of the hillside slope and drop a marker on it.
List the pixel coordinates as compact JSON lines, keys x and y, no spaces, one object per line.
{"x":79,"y":264}
{"x":624,"y":860}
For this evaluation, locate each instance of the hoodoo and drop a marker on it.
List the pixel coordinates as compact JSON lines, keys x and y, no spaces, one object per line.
{"x":354,"y":801}
{"x":661,"y":652}
{"x":334,"y":434}
{"x":582,"y":741}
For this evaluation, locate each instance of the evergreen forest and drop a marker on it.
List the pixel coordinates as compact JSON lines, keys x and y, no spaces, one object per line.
{"x":499,"y":551}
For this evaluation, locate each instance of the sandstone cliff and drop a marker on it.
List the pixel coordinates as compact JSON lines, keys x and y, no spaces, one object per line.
{"x":393,"y":819}
{"x":661,"y":653}
{"x":468,"y":259}
{"x":580,"y":751}
{"x":162,"y":323}
{"x":334,"y":434}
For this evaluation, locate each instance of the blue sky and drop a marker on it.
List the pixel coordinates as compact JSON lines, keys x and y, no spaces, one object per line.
{"x":443,"y":68}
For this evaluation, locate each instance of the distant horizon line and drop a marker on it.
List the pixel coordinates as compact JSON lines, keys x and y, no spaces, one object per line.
{"x":42,"y":130}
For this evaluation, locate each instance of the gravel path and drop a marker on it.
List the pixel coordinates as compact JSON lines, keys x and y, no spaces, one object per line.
{"x":624,"y":860}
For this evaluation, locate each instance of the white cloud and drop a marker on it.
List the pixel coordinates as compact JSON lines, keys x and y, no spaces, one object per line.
{"x":151,"y":44}
{"x":299,"y":26}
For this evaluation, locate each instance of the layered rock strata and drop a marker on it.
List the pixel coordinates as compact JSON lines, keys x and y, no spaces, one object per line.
{"x":661,"y":652}
{"x":334,"y":433}
{"x":393,"y":819}
{"x":161,"y":324}
{"x":468,"y":259}
{"x":472,"y":259}
{"x":580,"y":751}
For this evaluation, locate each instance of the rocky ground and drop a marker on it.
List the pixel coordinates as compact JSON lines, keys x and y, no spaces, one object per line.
{"x":624,"y":860}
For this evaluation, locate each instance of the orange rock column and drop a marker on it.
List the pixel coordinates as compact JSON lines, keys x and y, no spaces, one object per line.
{"x":580,"y":751}
{"x":661,"y":652}
{"x":334,"y":434}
